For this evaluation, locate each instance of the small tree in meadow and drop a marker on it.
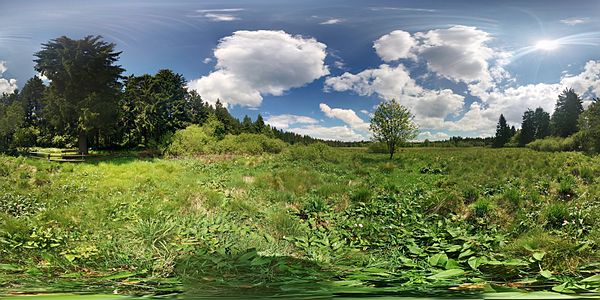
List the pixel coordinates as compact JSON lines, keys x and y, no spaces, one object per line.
{"x":393,"y":124}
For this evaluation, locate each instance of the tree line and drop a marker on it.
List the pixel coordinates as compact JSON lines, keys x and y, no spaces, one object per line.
{"x":89,"y":103}
{"x":569,"y":119}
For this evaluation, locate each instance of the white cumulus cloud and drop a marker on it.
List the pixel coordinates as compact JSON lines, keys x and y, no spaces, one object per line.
{"x":253,"y":63}
{"x":339,"y":133}
{"x":347,"y":116}
{"x":394,"y":45}
{"x":284,"y":121}
{"x":7,"y":86}
{"x":395,"y":83}
{"x":436,"y":136}
{"x":458,"y":53}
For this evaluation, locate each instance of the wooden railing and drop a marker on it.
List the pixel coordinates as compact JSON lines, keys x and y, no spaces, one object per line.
{"x":65,"y":155}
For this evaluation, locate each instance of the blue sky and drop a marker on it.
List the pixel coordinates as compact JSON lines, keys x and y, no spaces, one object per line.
{"x":320,"y":67}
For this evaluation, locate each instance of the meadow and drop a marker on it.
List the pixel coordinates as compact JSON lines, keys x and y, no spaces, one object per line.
{"x":311,"y":219}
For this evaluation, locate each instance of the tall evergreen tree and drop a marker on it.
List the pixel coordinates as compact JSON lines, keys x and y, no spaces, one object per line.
{"x":503,"y":133}
{"x":198,"y":109}
{"x":84,"y":84}
{"x":542,"y":123}
{"x":247,"y":125}
{"x":259,"y":124}
{"x":232,"y":125}
{"x":31,"y":97}
{"x":528,"y":128}
{"x":568,"y":108}
{"x":155,"y":106}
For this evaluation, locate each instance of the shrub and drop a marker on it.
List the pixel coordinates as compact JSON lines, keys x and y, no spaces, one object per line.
{"x":190,"y":141}
{"x":378,"y":147}
{"x":315,"y":151}
{"x":249,"y":143}
{"x":555,"y":214}
{"x":566,"y":187}
{"x":26,"y":137}
{"x":554,"y":144}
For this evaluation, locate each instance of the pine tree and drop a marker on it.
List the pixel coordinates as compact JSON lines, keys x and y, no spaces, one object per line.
{"x":247,"y":125}
{"x":542,"y":123}
{"x":259,"y":124}
{"x":31,"y":98}
{"x":528,"y":128}
{"x":502,"y":133}
{"x":568,"y":108}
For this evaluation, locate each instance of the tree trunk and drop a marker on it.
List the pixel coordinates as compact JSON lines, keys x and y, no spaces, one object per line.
{"x":392,"y":148}
{"x":82,"y":141}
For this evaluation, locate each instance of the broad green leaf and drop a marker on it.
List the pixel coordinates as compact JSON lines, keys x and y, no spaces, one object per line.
{"x":452,"y":264}
{"x":546,"y":274}
{"x":9,"y":267}
{"x":539,"y":255}
{"x":466,"y":253}
{"x":70,"y":257}
{"x":475,"y":262}
{"x":594,"y":278}
{"x":439,"y":259}
{"x":562,"y":288}
{"x":414,"y":249}
{"x":447,"y":274}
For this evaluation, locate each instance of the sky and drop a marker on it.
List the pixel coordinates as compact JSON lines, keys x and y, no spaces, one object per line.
{"x":321,"y":67}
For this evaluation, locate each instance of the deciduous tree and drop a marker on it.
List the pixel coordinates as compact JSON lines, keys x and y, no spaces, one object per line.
{"x":393,"y":124}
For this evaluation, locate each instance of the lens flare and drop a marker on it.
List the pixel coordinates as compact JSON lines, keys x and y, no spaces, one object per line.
{"x":547,"y":45}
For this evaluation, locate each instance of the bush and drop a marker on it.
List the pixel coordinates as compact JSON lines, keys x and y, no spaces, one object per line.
{"x":195,"y":140}
{"x":192,"y":140}
{"x":315,"y":151}
{"x":26,"y":137}
{"x":378,"y":147}
{"x":249,"y":143}
{"x":554,"y":144}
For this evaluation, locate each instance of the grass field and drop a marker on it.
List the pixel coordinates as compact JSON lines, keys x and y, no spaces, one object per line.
{"x":473,"y":219}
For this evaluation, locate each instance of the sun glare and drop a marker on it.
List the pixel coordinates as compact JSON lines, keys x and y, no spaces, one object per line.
{"x":547,"y":45}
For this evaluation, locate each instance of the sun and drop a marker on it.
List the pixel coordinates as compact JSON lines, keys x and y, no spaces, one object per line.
{"x":547,"y":45}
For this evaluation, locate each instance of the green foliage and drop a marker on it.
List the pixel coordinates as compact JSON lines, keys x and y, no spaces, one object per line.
{"x":263,"y":223}
{"x":249,"y":143}
{"x":566,"y":113}
{"x":193,"y":140}
{"x":393,"y":124}
{"x":378,"y":147}
{"x":555,"y":214}
{"x":84,"y":85}
{"x":313,"y":152}
{"x":205,"y":139}
{"x":554,"y":144}
{"x":503,"y":133}
{"x":589,"y":125}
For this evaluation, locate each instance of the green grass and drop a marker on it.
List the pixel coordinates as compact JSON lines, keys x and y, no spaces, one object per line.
{"x":341,"y":217}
